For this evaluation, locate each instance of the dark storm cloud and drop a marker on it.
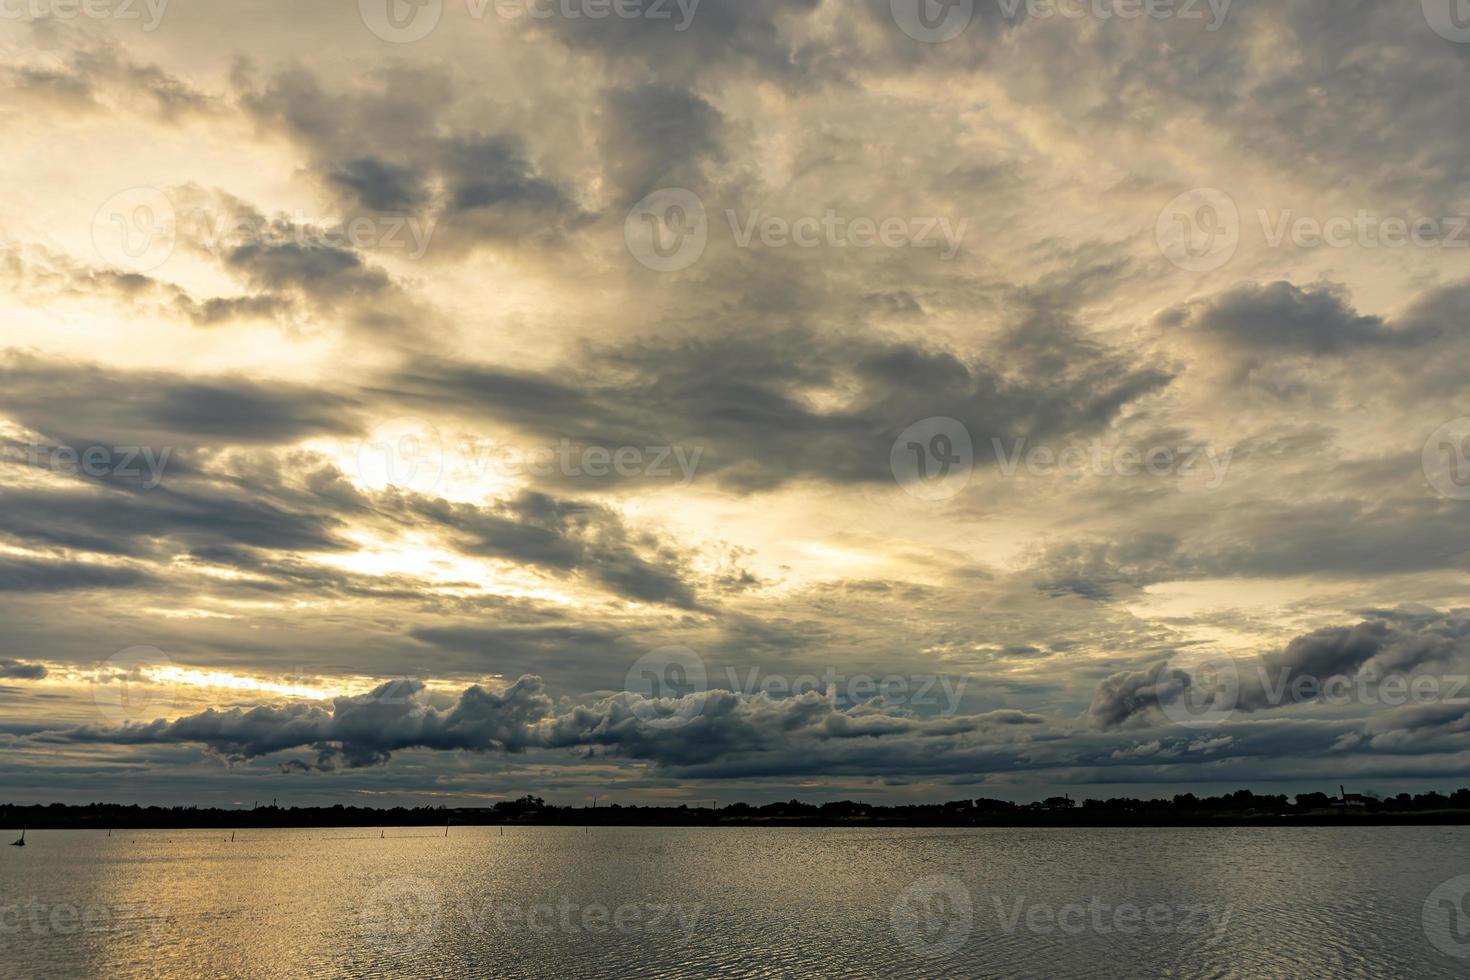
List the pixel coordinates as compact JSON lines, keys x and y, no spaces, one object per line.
{"x":380,"y":185}
{"x":719,"y":735}
{"x":1376,"y":521}
{"x":742,"y":400}
{"x":369,"y":729}
{"x":1400,"y":642}
{"x":563,"y":536}
{"x":142,"y":523}
{"x":1126,"y":695}
{"x":655,"y":136}
{"x":1097,"y":570}
{"x":490,"y":172}
{"x":1318,"y":319}
{"x":68,"y":400}
{"x":386,"y":147}
{"x":357,"y":731}
{"x":16,"y":670}
{"x":321,"y":270}
{"x":35,"y":575}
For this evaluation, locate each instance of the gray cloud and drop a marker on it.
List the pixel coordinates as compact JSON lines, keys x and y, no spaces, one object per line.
{"x":564,"y":536}
{"x":1280,"y":316}
{"x":740,"y":399}
{"x":1397,"y":642}
{"x":17,"y":670}
{"x":77,"y":401}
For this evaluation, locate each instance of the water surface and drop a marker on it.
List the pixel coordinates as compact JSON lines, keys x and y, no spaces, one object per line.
{"x":634,"y":902}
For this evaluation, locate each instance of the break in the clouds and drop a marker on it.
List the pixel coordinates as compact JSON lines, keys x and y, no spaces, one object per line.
{"x":777,"y":397}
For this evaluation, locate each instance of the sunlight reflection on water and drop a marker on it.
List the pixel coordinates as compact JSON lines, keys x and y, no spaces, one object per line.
{"x":730,"y":902}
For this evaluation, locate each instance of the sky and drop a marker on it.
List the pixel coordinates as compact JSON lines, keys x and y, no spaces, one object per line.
{"x":659,"y":402}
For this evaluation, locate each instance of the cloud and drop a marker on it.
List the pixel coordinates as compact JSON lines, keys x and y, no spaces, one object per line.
{"x":1283,"y":317}
{"x":746,"y":402}
{"x":388,"y":146}
{"x":72,"y":400}
{"x":564,"y":536}
{"x":401,"y":715}
{"x":31,"y":575}
{"x":1401,"y":643}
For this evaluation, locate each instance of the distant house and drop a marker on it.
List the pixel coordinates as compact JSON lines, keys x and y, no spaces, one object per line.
{"x":1347,"y":799}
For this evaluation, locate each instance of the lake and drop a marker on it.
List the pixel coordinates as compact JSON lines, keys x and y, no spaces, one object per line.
{"x":541,"y":901}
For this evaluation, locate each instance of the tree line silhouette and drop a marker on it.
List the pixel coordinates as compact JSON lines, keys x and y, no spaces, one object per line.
{"x":1239,"y":808}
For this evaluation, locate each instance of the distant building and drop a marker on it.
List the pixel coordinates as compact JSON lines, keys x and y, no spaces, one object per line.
{"x":1347,"y":799}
